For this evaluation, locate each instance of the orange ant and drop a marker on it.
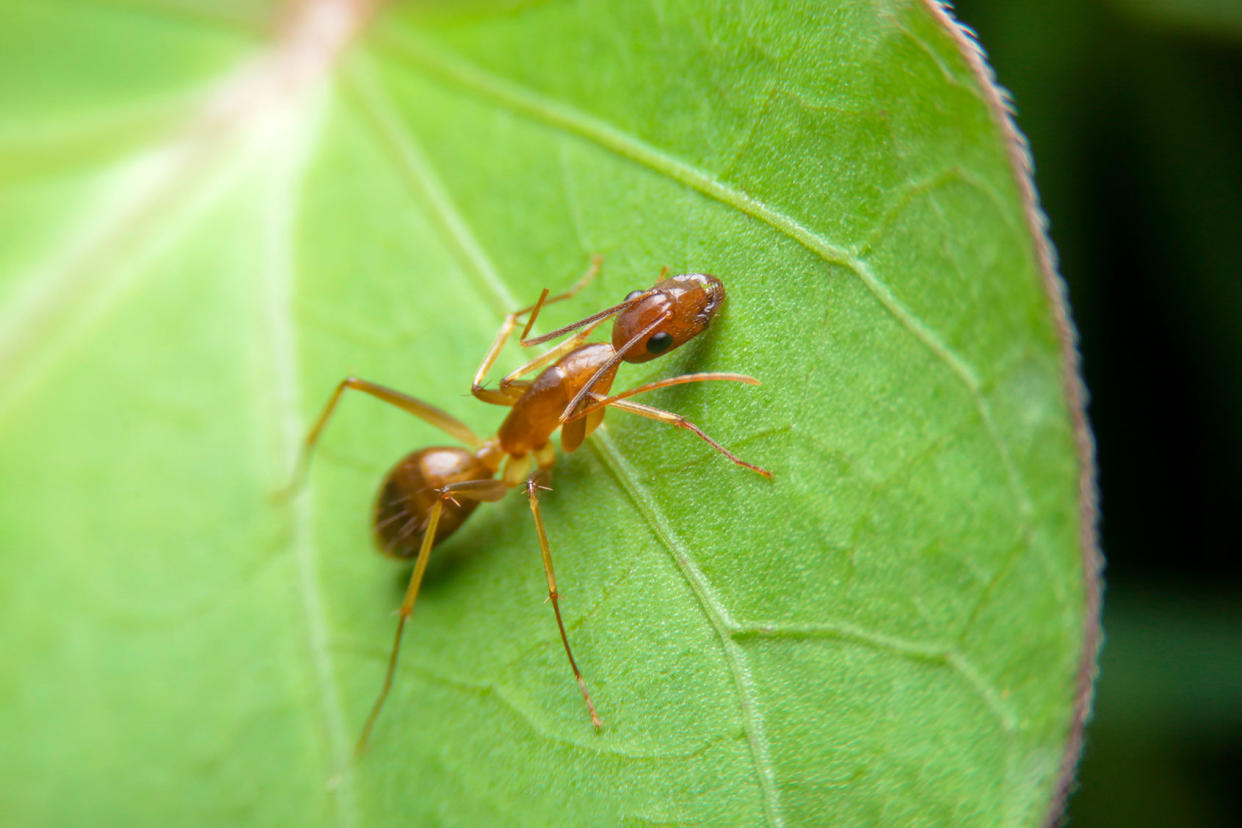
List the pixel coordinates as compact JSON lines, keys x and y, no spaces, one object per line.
{"x":426,"y":496}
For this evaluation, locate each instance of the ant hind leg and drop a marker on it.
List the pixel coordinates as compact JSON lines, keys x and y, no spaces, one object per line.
{"x":411,"y":405}
{"x":482,"y":490}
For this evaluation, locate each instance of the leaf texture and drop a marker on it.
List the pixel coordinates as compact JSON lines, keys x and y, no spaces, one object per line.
{"x":207,"y":226}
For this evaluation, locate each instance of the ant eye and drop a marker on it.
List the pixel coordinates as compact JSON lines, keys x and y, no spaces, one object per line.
{"x":634,"y":294}
{"x":659,"y":343}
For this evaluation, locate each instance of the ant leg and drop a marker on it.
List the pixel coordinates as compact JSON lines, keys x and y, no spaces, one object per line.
{"x":502,"y":336}
{"x":511,"y":323}
{"x":489,"y":490}
{"x":407,"y":607}
{"x":610,"y":365}
{"x":592,"y":271}
{"x":411,"y":405}
{"x":593,"y":319}
{"x":551,"y":355}
{"x":709,"y":376}
{"x":507,"y":395}
{"x":553,"y":595}
{"x":681,"y":422}
{"x":504,"y":396}
{"x":545,"y":458}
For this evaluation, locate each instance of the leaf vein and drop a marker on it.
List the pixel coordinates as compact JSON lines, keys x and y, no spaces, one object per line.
{"x":552,"y":113}
{"x":416,"y":170}
{"x":716,"y":613}
{"x":276,"y":281}
{"x":522,"y":709}
{"x":928,"y":651}
{"x":418,"y":173}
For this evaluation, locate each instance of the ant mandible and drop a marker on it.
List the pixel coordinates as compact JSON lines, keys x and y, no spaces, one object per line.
{"x":426,"y":496}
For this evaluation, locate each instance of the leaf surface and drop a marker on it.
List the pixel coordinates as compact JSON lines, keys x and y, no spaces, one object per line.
{"x":214,"y":225}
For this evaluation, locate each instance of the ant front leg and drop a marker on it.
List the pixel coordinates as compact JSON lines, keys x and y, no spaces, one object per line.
{"x":505,"y":395}
{"x":597,"y":261}
{"x":532,"y":487}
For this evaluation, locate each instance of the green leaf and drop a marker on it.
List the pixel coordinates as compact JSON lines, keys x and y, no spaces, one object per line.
{"x":1218,"y":19}
{"x":206,"y":227}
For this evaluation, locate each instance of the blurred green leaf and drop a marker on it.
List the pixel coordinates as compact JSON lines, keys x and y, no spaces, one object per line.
{"x":1215,"y":18}
{"x":889,"y":632}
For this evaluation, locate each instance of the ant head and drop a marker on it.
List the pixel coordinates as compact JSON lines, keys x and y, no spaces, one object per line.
{"x":680,"y":308}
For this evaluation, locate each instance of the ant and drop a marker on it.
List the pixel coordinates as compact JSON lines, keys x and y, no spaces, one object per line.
{"x":430,"y":492}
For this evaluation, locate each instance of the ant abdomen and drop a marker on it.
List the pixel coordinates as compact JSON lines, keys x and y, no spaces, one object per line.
{"x":689,"y":301}
{"x":411,"y":488}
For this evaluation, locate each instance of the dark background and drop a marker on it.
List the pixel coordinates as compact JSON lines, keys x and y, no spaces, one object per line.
{"x":1134,"y":113}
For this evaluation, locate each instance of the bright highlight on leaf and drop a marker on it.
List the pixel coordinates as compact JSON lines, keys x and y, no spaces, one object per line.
{"x":206,"y":226}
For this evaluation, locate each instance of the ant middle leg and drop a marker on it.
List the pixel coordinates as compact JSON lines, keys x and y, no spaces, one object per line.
{"x":532,"y":487}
